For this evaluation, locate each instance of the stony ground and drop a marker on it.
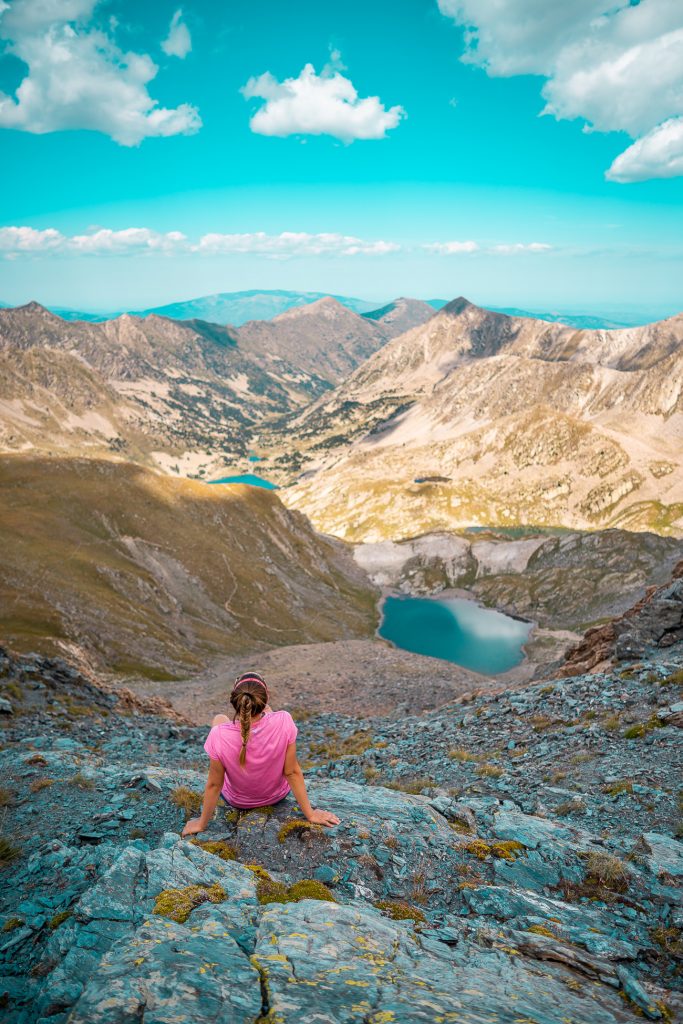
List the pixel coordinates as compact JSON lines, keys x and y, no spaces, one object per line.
{"x":350,"y":677}
{"x":511,"y":857}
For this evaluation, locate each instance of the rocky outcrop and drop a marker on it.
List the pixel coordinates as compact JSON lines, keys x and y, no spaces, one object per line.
{"x":656,"y":621}
{"x":562,"y":580}
{"x":529,"y":872}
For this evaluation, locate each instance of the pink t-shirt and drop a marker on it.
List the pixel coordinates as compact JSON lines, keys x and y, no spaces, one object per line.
{"x":260,"y":782}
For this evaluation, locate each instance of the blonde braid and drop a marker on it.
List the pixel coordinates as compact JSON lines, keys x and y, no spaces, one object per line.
{"x":246,"y":708}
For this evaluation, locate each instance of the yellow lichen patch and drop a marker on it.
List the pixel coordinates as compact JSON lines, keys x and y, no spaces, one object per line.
{"x":296,"y":826}
{"x":219,"y":848}
{"x":539,"y":929}
{"x":178,"y":904}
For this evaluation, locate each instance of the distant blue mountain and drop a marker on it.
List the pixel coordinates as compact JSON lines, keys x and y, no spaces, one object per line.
{"x":237,"y":308}
{"x":582,"y":322}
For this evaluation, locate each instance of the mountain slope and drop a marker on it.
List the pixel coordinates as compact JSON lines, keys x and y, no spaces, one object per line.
{"x":479,"y":418}
{"x":144,"y":574}
{"x":183,"y":395}
{"x":400,"y":315}
{"x":237,"y":308}
{"x":164,"y":392}
{"x":323,"y":338}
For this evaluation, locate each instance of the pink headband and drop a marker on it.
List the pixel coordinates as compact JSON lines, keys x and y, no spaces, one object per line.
{"x":250,"y":679}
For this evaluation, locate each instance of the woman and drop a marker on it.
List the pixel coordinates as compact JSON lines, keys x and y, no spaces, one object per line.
{"x":264,"y":773}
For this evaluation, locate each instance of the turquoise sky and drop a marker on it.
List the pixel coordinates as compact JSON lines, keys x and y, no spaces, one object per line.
{"x":467,"y":160}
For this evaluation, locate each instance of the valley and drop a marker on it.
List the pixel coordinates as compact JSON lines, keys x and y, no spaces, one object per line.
{"x":508,"y":798}
{"x":522,"y":464}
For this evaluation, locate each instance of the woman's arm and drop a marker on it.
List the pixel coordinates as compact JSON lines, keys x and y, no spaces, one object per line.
{"x":295,"y":778}
{"x":212,"y":791}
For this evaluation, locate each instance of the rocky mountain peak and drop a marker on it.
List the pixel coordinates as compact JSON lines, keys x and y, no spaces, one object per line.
{"x":457,"y":306}
{"x":34,"y":308}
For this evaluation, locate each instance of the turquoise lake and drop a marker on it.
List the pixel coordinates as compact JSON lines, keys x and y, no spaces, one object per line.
{"x":456,"y":630}
{"x":246,"y":478}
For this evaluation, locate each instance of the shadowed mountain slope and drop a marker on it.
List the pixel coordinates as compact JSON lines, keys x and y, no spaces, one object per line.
{"x":141,"y":573}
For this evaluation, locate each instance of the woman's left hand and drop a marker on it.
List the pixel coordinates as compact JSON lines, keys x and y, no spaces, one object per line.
{"x":192,"y":827}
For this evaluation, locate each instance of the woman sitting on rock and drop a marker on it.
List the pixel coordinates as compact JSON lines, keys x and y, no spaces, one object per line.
{"x":268,"y":772}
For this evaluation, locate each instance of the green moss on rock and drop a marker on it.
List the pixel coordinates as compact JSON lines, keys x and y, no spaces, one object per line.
{"x":399,"y":910}
{"x":295,"y":826}
{"x":178,"y":904}
{"x":60,"y":918}
{"x":270,"y":891}
{"x":219,"y":848}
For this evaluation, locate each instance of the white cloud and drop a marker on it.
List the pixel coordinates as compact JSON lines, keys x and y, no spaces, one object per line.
{"x":616,"y":64}
{"x":178,"y":43}
{"x":78,"y":78}
{"x":325,"y":104}
{"x":293,"y":243}
{"x":659,"y":154}
{"x":450,"y":248}
{"x":514,"y":248}
{"x":104,"y":241}
{"x":15,"y":241}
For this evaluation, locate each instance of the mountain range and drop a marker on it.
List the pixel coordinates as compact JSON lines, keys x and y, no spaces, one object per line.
{"x":480,"y":418}
{"x":185,"y":396}
{"x":236,"y":308}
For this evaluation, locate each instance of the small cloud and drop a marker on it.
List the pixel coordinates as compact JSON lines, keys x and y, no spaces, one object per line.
{"x":27,"y":241}
{"x":450,"y":248}
{"x":293,"y":243}
{"x":127,"y":241}
{"x":17,"y":240}
{"x":178,"y":43}
{"x":325,"y":104}
{"x":452,"y":102}
{"x":515,"y":248}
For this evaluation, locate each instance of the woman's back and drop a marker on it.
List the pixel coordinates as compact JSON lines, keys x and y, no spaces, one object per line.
{"x":260,"y":781}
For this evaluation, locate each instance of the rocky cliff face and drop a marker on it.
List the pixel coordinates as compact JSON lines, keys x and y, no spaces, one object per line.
{"x":476,"y":418}
{"x":655,"y":621}
{"x":142,"y":574}
{"x":509,"y":857}
{"x":563,"y":580}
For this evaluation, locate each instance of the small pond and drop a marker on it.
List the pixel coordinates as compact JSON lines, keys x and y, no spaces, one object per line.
{"x":246,"y":478}
{"x":456,"y":630}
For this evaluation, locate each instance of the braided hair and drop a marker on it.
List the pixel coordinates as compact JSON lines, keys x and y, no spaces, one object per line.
{"x":249,"y":698}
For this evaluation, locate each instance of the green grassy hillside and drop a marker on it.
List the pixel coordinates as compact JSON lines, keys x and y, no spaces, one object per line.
{"x":140,"y":573}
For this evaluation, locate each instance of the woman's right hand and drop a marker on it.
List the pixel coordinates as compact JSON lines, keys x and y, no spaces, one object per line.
{"x":318,"y":817}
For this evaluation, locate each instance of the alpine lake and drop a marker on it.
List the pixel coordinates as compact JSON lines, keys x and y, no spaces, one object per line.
{"x":456,"y":630}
